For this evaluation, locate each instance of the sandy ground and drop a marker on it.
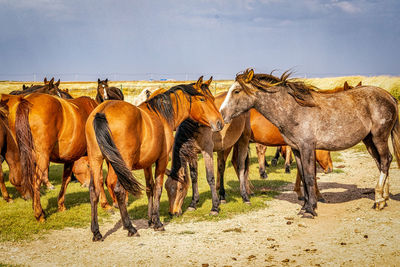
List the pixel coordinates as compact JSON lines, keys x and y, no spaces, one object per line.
{"x":347,"y":232}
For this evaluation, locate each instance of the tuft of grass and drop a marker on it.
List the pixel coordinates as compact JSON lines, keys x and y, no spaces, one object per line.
{"x":360,"y":147}
{"x":236,"y":230}
{"x":186,"y":233}
{"x":335,"y":170}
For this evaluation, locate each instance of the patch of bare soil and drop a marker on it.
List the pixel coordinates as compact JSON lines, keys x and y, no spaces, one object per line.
{"x":347,"y":232}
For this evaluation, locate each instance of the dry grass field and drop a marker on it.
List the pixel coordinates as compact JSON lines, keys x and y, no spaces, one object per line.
{"x":133,"y":88}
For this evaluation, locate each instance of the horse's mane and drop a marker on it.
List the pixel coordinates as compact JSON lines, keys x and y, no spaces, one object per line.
{"x":300,"y":91}
{"x":28,"y":90}
{"x":183,"y":150}
{"x":162,"y":103}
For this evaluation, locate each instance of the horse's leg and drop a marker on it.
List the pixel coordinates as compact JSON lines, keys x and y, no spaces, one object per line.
{"x":208,"y":160}
{"x":41,"y":165}
{"x":243,"y":147}
{"x":195,"y":188}
{"x":261,"y":160}
{"x":221,"y":159}
{"x":96,"y":182}
{"x":148,"y":174}
{"x":274,"y":161}
{"x":288,"y":159}
{"x":45,"y":179}
{"x":111,"y":182}
{"x":3,"y":188}
{"x":121,"y":198}
{"x":161,"y":166}
{"x":65,"y":181}
{"x":297,"y":185}
{"x":305,"y":159}
{"x":385,"y":158}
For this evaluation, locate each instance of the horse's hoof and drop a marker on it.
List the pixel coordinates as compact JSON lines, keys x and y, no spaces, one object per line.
{"x":264,"y":175}
{"x":329,"y":170}
{"x":115,"y":205}
{"x":151,"y":224}
{"x":97,"y":237}
{"x":191,"y":208}
{"x":274,"y":162}
{"x":159,"y":228}
{"x":50,"y":187}
{"x":214,"y":213}
{"x":61,"y":208}
{"x":133,"y":233}
{"x":322,"y":200}
{"x":9,"y":200}
{"x":300,"y":198}
{"x":311,"y":212}
{"x":222,"y":201}
{"x":380,"y":205}
{"x":247,"y":203}
{"x":287,"y":169}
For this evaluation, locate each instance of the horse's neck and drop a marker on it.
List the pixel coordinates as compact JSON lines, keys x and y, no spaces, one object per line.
{"x":275,"y":107}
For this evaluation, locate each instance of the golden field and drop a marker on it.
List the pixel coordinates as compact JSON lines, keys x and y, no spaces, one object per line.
{"x":133,"y":88}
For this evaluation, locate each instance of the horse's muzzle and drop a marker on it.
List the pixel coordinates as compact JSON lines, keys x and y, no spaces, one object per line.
{"x":216,"y":127}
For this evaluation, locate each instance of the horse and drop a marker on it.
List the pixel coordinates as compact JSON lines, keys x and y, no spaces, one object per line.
{"x":49,"y":87}
{"x":195,"y":138}
{"x":310,"y":120}
{"x":48,"y":129}
{"x":131,"y":137}
{"x":104,"y":92}
{"x":9,"y":153}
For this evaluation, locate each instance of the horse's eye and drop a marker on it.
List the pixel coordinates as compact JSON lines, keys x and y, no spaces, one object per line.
{"x":236,"y":92}
{"x":202,"y":99}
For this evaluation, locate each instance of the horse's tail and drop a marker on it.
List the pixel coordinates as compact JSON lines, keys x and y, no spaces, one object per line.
{"x":111,"y":153}
{"x":25,"y":144}
{"x":396,"y":140}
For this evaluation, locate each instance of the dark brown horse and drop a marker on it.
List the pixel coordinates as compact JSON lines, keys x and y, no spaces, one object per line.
{"x":131,"y":137}
{"x":310,"y":120}
{"x":9,"y":153}
{"x":50,"y":129}
{"x":104,"y":92}
{"x":191,"y":139}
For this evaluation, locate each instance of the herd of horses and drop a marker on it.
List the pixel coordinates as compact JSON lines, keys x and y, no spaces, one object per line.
{"x":42,"y":124}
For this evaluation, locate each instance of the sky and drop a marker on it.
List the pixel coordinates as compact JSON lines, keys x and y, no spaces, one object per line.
{"x":183,"y":39}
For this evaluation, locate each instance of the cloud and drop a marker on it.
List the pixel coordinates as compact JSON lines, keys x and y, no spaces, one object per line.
{"x":346,"y":6}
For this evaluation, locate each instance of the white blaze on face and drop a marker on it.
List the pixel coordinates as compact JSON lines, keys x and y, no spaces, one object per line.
{"x":105,"y":92}
{"x":228,"y":96}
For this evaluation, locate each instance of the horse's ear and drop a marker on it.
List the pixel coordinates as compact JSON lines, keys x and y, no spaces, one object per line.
{"x":346,"y":86}
{"x":57,"y":83}
{"x":51,"y":81}
{"x":45,"y":80}
{"x":98,"y":80}
{"x":199,"y":82}
{"x":249,"y":76}
{"x":209,"y":81}
{"x":107,"y":80}
{"x":23,"y":87}
{"x":359,"y":84}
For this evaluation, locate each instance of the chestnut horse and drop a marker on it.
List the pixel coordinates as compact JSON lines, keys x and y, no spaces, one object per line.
{"x":131,"y":137}
{"x":50,"y":129}
{"x":310,"y":120}
{"x":192,"y":138}
{"x":104,"y":92}
{"x":9,"y":153}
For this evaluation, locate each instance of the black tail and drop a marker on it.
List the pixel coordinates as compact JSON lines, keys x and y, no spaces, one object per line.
{"x":111,"y":153}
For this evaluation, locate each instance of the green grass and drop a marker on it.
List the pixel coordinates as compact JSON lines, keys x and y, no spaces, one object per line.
{"x":18,"y":223}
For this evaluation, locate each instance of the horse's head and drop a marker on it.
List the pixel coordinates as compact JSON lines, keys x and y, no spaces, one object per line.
{"x":203,"y":108}
{"x":239,"y":98}
{"x":177,"y":190}
{"x":102,"y":86}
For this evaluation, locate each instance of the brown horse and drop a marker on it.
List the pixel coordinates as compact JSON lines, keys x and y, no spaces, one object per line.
{"x":192,"y":138}
{"x":104,"y":92}
{"x":131,"y":137}
{"x":49,"y":87}
{"x":50,"y":129}
{"x":310,"y":120}
{"x":9,"y":153}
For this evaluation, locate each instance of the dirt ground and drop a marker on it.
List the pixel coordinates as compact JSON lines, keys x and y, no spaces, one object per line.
{"x":347,"y":232}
